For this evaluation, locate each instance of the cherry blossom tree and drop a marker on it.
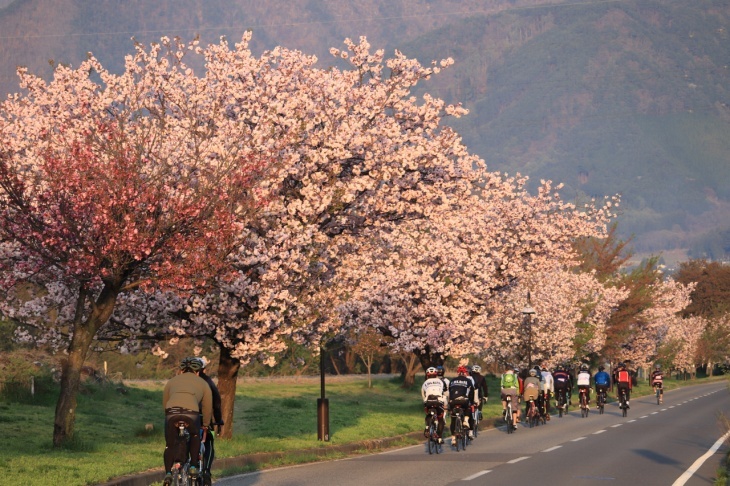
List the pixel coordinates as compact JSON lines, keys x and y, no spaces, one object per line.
{"x":680,"y":342}
{"x":115,"y":182}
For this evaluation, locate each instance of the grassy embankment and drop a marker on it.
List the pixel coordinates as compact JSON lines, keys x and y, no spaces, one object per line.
{"x":271,"y":415}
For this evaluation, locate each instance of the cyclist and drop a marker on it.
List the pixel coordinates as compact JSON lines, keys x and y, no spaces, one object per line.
{"x":440,"y":370}
{"x":657,"y":378}
{"x":209,"y":451}
{"x":434,"y":396}
{"x":623,"y":382}
{"x":602,"y":380}
{"x":461,"y":392}
{"x":584,"y":382}
{"x":509,"y":385}
{"x":548,"y":389}
{"x":183,"y":399}
{"x":530,"y":389}
{"x":563,"y":382}
{"x":480,"y":385}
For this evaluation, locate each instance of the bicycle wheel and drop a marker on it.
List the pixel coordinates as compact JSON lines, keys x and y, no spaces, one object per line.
{"x":432,"y":446}
{"x":476,"y":423}
{"x":657,"y":395}
{"x":508,"y":417}
{"x":458,"y":432}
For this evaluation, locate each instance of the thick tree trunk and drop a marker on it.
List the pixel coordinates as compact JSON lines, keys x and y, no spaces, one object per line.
{"x":228,"y":367}
{"x":83,"y":335}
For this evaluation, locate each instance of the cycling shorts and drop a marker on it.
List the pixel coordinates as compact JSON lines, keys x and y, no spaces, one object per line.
{"x":511,"y":392}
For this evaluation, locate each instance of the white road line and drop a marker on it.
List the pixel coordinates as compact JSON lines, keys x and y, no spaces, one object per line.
{"x":672,"y":406}
{"x":579,"y":438}
{"x":645,"y":416}
{"x":599,"y":432}
{"x":654,"y":413}
{"x":698,"y":463}
{"x":632,"y":420}
{"x":474,"y":476}
{"x":663,"y":410}
{"x":552,"y":448}
{"x":617,"y":425}
{"x":518,"y":459}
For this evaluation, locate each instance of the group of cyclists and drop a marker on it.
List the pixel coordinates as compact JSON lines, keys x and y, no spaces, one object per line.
{"x":538,"y":385}
{"x":468,"y":391}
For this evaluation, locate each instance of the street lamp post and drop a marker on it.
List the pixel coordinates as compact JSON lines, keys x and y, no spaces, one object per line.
{"x":323,"y":405}
{"x":527,"y":313}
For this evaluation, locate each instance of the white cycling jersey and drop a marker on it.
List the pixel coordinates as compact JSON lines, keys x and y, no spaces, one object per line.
{"x":435,"y":387}
{"x":549,"y":383}
{"x":584,"y":379}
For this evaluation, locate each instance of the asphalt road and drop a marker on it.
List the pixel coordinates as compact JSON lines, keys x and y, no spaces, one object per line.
{"x":653,"y":445}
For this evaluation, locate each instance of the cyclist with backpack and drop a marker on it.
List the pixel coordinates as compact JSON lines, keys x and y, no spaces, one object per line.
{"x":509,"y":386}
{"x":530,"y":390}
{"x":623,"y":382}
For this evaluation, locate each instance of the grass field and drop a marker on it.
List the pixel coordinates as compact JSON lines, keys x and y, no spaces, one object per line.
{"x":271,"y":415}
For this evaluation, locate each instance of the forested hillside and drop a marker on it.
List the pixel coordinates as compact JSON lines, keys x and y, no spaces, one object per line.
{"x":625,"y":97}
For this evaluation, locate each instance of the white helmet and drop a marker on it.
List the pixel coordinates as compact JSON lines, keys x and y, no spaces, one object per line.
{"x":431,"y":372}
{"x":476,"y":369}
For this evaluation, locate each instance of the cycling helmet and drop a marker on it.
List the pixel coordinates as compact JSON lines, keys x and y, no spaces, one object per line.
{"x":440,"y":370}
{"x":191,"y":363}
{"x":431,"y":372}
{"x":533,"y":372}
{"x":658,"y":367}
{"x":476,"y":369}
{"x":200,"y":361}
{"x":584,"y":367}
{"x":601,"y":368}
{"x":461,"y":370}
{"x":622,"y":365}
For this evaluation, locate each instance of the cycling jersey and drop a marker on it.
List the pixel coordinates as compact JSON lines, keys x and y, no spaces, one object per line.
{"x":602,"y":379}
{"x":656,"y":377}
{"x":461,"y":387}
{"x":433,"y":387}
{"x":562,"y":379}
{"x":584,"y":379}
{"x":623,"y":377}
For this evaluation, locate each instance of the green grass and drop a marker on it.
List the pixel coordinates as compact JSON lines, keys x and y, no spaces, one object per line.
{"x":271,"y":415}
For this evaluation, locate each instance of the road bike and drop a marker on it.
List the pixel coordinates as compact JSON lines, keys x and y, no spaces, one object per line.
{"x":601,"y":399}
{"x":562,"y":402}
{"x":658,"y":392}
{"x":509,"y":416}
{"x":533,"y":415}
{"x":181,"y":474}
{"x":543,"y":405}
{"x":476,"y":413}
{"x":433,"y":437}
{"x":622,"y":401}
{"x":584,"y":409}
{"x":460,"y":432}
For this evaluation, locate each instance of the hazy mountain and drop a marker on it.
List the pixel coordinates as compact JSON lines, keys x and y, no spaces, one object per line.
{"x":608,"y":97}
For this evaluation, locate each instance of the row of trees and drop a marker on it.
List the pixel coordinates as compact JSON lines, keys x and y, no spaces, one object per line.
{"x":266,"y":202}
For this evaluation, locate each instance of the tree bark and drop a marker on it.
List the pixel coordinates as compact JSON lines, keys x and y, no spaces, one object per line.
{"x":83,"y":335}
{"x":228,"y":367}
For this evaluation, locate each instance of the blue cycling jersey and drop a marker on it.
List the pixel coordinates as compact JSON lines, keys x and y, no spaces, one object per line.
{"x":602,"y":378}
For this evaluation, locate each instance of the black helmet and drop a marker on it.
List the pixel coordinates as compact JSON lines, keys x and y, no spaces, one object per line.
{"x":601,"y":368}
{"x":622,"y":365}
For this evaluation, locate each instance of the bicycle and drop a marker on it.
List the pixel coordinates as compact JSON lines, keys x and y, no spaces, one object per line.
{"x":509,"y":416}
{"x":433,"y":438}
{"x":477,"y":417}
{"x":533,"y":416}
{"x":658,"y":392}
{"x":601,"y":399}
{"x":457,"y":413}
{"x":584,"y":409}
{"x":181,"y":470}
{"x":562,"y":402}
{"x":622,"y":401}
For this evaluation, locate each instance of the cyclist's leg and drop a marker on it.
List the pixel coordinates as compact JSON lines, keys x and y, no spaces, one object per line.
{"x":208,"y":455}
